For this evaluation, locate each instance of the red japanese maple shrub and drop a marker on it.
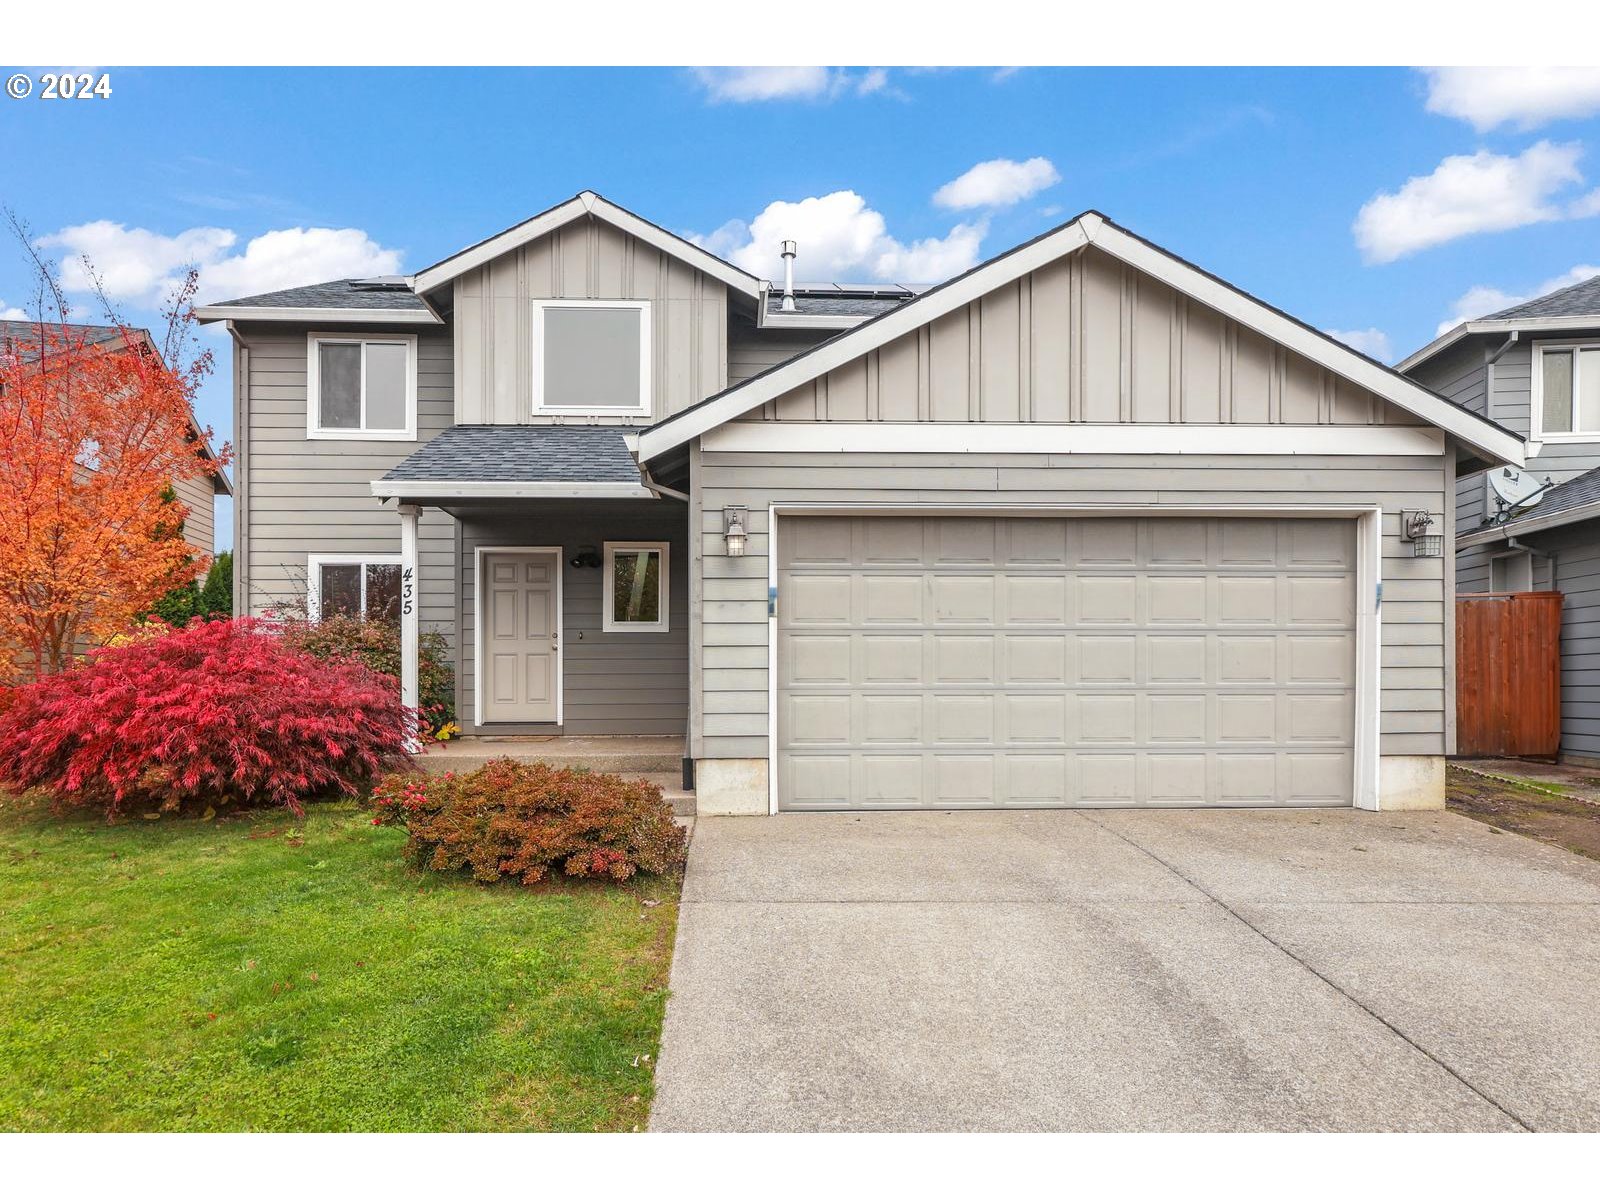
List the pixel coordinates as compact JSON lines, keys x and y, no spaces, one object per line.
{"x":521,"y":820}
{"x":214,"y":713}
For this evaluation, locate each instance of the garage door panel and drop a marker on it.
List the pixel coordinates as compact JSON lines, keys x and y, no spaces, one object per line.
{"x":974,"y":662}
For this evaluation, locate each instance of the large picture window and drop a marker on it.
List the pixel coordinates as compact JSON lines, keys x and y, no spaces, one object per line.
{"x":366,"y":587}
{"x":1568,"y":381}
{"x":636,"y":587}
{"x":361,"y":387}
{"x":591,"y":357}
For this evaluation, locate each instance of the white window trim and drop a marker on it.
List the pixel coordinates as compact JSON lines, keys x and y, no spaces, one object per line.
{"x":314,"y":430}
{"x":663,"y":584}
{"x":1536,"y":430}
{"x":644,"y":407}
{"x":315,"y":563}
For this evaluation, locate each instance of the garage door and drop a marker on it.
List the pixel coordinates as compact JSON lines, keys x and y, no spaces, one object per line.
{"x":975,"y":662}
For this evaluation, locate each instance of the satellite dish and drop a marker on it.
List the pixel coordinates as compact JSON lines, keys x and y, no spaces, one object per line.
{"x":1514,"y":490}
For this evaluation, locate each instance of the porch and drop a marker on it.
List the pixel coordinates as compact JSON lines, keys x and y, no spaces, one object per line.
{"x":657,"y":759}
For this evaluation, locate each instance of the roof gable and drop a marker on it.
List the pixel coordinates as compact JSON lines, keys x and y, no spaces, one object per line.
{"x":1090,"y":228}
{"x":581,"y":205}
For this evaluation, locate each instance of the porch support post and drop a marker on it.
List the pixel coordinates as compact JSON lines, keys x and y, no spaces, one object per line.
{"x":409,"y":629}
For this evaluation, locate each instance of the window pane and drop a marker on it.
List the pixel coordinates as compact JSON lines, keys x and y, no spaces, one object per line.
{"x":339,"y":385}
{"x":591,"y":357}
{"x":339,"y":590}
{"x":386,"y":386}
{"x":383,"y":592}
{"x":1557,"y":391}
{"x":1586,"y":391}
{"x":636,"y":586}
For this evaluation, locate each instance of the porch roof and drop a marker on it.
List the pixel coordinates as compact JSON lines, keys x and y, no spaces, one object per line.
{"x":518,"y":460}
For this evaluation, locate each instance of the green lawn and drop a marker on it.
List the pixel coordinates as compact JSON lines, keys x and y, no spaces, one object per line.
{"x":273,"y":973}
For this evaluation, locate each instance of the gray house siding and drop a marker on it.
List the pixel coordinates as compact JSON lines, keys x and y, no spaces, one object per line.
{"x":734,"y":723}
{"x":198,"y":494}
{"x":301,"y":497}
{"x":1084,"y":339}
{"x":587,"y":259}
{"x":1577,"y":576}
{"x":613,"y":682}
{"x":752,"y":350}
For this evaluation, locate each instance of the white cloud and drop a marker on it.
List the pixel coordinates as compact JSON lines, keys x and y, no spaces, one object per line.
{"x":998,"y":183}
{"x":841,"y":239}
{"x":1467,"y":194}
{"x":1524,"y":96}
{"x":1481,"y":300}
{"x":142,"y":267}
{"x":1374,"y":343}
{"x":743,"y":85}
{"x":12,"y":313}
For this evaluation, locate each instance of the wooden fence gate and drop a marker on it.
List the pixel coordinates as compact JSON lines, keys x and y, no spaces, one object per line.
{"x":1508,"y":674}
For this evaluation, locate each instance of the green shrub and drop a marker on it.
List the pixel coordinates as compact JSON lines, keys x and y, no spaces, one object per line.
{"x":522,"y":820}
{"x":377,"y":644}
{"x":216,"y":594}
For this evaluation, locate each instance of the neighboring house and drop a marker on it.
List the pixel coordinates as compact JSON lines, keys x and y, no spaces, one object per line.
{"x":197,"y":492}
{"x":1082,"y":526}
{"x":1535,"y":368}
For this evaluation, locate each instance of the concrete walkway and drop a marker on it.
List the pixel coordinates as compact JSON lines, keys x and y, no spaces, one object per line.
{"x":1131,"y":971}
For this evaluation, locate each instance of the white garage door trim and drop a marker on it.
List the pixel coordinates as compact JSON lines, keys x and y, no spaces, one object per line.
{"x":1369,"y":595}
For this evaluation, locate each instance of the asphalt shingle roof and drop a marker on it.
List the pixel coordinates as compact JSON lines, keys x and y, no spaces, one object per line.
{"x":840,"y":299}
{"x":27,"y":332}
{"x":1579,"y":300}
{"x":522,"y":454}
{"x":385,"y":293}
{"x":1572,"y":493}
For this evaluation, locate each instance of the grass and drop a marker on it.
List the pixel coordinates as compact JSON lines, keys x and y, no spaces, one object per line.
{"x":1561,"y":820}
{"x":280,"y":974}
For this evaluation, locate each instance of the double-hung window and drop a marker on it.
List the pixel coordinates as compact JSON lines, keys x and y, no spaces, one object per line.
{"x":365,"y":586}
{"x":1567,"y":392}
{"x":591,"y":357}
{"x":361,"y":387}
{"x":636,"y":587}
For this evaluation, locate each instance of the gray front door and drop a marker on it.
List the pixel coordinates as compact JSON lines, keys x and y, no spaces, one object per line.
{"x":971,"y":662}
{"x":518,"y":605}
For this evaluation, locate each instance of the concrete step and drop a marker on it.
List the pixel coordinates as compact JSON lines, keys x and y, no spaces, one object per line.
{"x":619,"y":755}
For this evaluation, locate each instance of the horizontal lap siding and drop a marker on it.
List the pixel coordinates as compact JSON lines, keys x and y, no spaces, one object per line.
{"x":315,"y":497}
{"x":734,"y":608}
{"x":752,"y":351}
{"x":197,"y":493}
{"x":632,"y":683}
{"x":1577,"y":551}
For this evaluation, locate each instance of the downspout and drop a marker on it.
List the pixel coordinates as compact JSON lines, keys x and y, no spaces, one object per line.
{"x":1488,"y":385}
{"x":1549,"y":557}
{"x":660,"y":489}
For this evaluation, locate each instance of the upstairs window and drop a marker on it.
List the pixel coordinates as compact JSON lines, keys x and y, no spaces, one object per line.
{"x":367,"y":587}
{"x":1568,"y":379}
{"x":361,"y":387}
{"x":591,"y":357}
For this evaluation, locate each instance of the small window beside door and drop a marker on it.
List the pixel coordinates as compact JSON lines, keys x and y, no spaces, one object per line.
{"x":368,"y":588}
{"x":361,"y":388}
{"x":1568,"y":407}
{"x":591,"y":357}
{"x":636,"y":587}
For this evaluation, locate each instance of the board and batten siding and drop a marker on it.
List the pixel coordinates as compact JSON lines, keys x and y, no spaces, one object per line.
{"x":614,"y":683}
{"x":733,"y":604}
{"x":1085,"y":339}
{"x":586,"y":259}
{"x":301,"y":497}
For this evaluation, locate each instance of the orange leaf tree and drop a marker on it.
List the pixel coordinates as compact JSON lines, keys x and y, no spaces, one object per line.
{"x":96,"y":422}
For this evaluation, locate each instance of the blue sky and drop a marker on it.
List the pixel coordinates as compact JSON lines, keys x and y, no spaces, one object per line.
{"x":271,"y":176}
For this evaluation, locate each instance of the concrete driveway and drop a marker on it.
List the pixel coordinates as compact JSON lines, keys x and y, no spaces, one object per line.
{"x":1131,"y":971}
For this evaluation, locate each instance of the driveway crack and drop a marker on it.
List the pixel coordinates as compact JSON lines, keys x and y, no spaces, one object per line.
{"x":1293,"y":957}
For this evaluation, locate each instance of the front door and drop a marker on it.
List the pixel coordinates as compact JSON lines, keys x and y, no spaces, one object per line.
{"x":520,"y":610}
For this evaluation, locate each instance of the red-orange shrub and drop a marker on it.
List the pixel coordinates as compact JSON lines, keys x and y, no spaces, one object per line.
{"x":521,"y":820}
{"x":218,"y":712}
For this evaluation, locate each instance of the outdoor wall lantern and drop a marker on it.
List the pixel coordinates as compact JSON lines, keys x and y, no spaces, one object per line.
{"x":735,"y":526}
{"x":1416,"y":527}
{"x":587,"y":556}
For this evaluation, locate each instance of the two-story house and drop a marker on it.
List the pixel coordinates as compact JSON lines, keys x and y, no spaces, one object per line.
{"x":1084,"y":525}
{"x":1535,"y":368}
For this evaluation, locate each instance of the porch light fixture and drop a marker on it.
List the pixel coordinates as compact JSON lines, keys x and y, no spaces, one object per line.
{"x":735,"y":523}
{"x":1415,"y":527}
{"x":587,"y":556}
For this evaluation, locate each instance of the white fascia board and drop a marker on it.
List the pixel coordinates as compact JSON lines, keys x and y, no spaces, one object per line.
{"x":585,"y":203}
{"x":783,"y":320}
{"x":827,"y":437}
{"x":1498,"y":444}
{"x":348,"y":316}
{"x":923,"y":310}
{"x":468,"y":489}
{"x":1517,"y":325}
{"x":1531,"y":524}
